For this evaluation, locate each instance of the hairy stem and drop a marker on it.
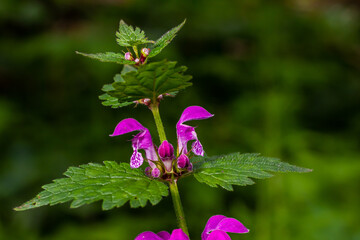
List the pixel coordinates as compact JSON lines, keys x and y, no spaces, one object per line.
{"x":155,"y":110}
{"x":136,"y":51}
{"x":178,"y":206}
{"x":173,"y":185}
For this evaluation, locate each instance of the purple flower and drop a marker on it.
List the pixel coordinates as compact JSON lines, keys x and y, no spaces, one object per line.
{"x":143,"y":140}
{"x":187,"y":133}
{"x":177,"y":234}
{"x":216,"y":229}
{"x":218,"y":226}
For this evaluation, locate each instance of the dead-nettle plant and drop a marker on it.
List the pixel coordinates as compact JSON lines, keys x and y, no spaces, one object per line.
{"x":147,"y":83}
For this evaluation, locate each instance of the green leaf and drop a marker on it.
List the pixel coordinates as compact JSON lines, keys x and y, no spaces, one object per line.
{"x":108,"y":57}
{"x":113,"y":183}
{"x":127,"y":36}
{"x":149,"y":81}
{"x":238,"y":169}
{"x":165,"y":39}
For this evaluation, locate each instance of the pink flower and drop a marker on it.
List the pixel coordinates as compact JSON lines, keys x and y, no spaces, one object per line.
{"x":177,"y":234}
{"x":218,"y":226}
{"x":143,"y":140}
{"x":216,"y":229}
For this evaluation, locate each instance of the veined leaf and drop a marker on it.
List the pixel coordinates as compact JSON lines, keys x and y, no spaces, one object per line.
{"x":149,"y":81}
{"x":238,"y":169}
{"x":164,"y":40}
{"x":127,"y":36}
{"x":113,"y":183}
{"x":108,"y":57}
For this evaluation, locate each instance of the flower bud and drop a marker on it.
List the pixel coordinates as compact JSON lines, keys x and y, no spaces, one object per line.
{"x":128,"y":56}
{"x":155,"y":173}
{"x":145,"y":52}
{"x":137,"y":61}
{"x":146,"y":101}
{"x":183,"y":161}
{"x":190,"y":167}
{"x":160,"y":97}
{"x":166,"y":150}
{"x":148,"y":171}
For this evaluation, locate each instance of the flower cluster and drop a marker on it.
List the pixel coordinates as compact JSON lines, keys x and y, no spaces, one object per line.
{"x":143,"y":55}
{"x":216,"y":228}
{"x":163,"y":161}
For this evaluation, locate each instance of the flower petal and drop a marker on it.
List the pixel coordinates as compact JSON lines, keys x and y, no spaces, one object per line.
{"x":142,"y":140}
{"x":218,"y":235}
{"x":136,"y":159}
{"x":232,"y":225}
{"x":194,"y":113}
{"x":187,"y":133}
{"x":211,"y":225}
{"x":148,"y":236}
{"x":164,"y":235}
{"x":178,"y":234}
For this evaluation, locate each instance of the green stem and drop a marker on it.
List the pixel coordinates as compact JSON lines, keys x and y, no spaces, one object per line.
{"x":155,"y":110}
{"x":173,"y":185}
{"x":178,"y":207}
{"x":136,"y":51}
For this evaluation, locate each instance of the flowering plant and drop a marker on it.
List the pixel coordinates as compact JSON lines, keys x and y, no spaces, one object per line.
{"x":142,"y":82}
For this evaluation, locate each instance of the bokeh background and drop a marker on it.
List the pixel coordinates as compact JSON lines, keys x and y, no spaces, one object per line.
{"x":281,"y":77}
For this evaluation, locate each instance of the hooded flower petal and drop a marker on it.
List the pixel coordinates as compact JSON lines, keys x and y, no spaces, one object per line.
{"x":164,"y":235}
{"x":148,"y":236}
{"x":187,"y":133}
{"x":218,"y":235}
{"x":224,"y":224}
{"x":142,"y":140}
{"x":178,"y":234}
{"x":232,"y":225}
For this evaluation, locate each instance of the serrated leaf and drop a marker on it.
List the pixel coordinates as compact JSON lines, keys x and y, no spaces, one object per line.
{"x":107,"y":57}
{"x":149,"y":81}
{"x":238,"y":169}
{"x":164,"y":40}
{"x":127,"y":36}
{"x":113,"y":183}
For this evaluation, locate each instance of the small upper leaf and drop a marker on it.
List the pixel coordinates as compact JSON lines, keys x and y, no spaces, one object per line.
{"x":164,"y":40}
{"x":127,"y":36}
{"x":149,"y":81}
{"x":238,"y":169}
{"x":113,"y":183}
{"x":108,"y":57}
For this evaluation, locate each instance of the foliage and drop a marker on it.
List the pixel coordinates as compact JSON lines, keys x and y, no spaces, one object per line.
{"x":164,"y":40}
{"x":148,"y":81}
{"x":108,"y":57}
{"x":127,"y":36}
{"x":113,"y":183}
{"x":238,"y":169}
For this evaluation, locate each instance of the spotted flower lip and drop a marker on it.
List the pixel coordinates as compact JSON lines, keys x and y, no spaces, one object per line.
{"x":186,"y":133}
{"x":218,"y":226}
{"x":142,"y":140}
{"x":176,"y":234}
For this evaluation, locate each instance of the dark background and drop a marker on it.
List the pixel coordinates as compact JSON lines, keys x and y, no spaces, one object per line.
{"x":281,"y":77}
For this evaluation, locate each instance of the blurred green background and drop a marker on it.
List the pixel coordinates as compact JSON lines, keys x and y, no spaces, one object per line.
{"x":281,"y":77}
